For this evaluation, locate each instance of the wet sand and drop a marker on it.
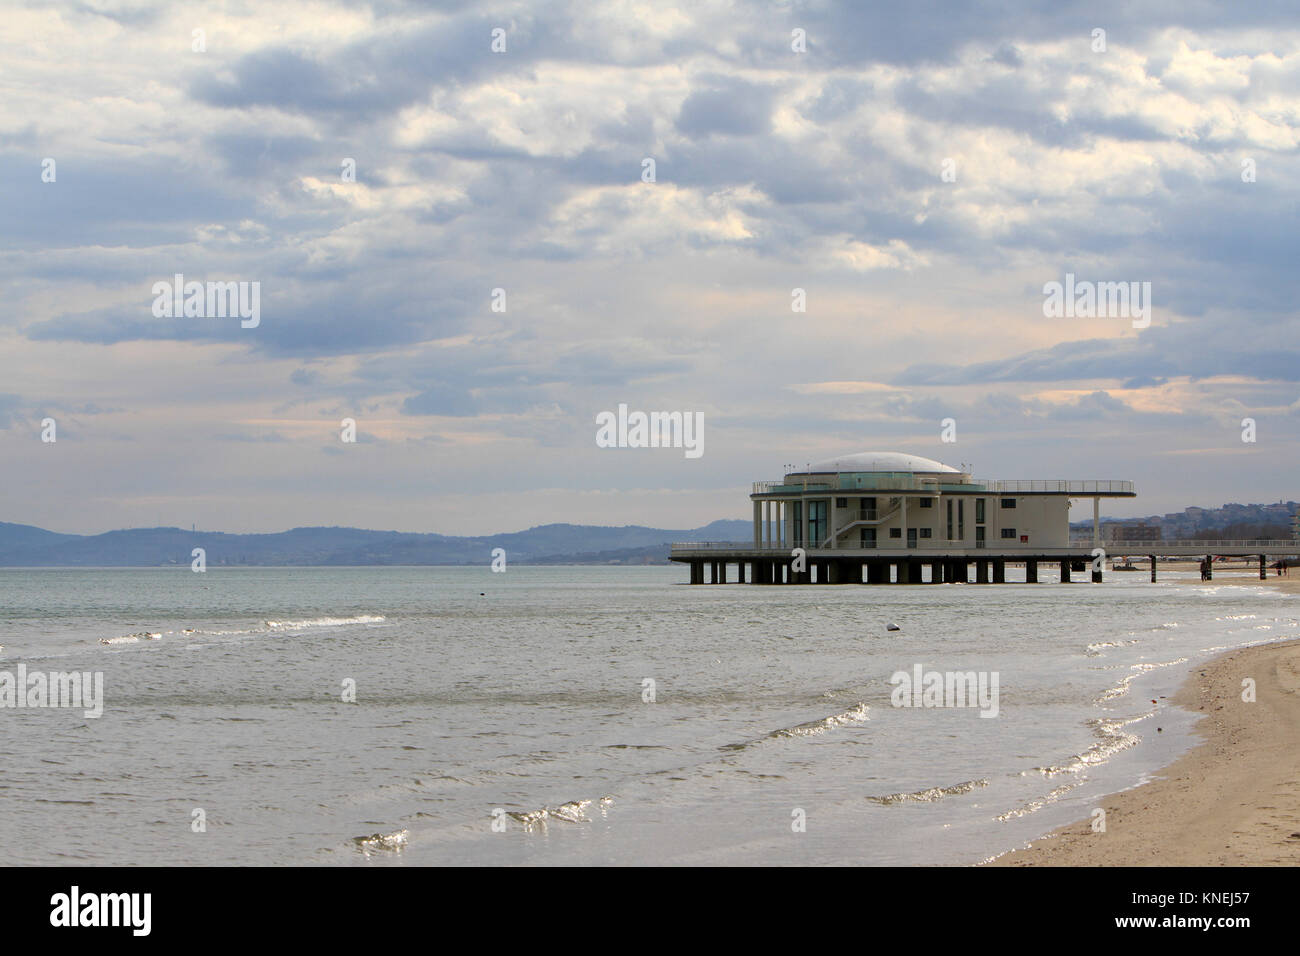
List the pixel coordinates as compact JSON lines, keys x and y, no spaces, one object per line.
{"x":1233,"y":800}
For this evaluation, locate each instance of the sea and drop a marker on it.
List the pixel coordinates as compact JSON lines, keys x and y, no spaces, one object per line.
{"x":558,"y":716}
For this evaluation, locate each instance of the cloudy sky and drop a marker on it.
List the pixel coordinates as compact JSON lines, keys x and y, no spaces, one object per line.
{"x":1168,"y":157}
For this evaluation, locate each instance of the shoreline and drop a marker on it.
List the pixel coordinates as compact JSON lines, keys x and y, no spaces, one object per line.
{"x":1232,"y":800}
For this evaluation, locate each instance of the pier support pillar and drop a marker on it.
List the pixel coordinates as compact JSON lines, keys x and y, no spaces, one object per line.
{"x":740,"y":572}
{"x":1263,"y":572}
{"x":697,"y":572}
{"x":1031,"y":571}
{"x":1065,"y":571}
{"x":999,"y":571}
{"x":900,"y":573}
{"x":981,"y":572}
{"x":1209,"y":567}
{"x":833,"y":575}
{"x":913,"y":571}
{"x":722,"y":572}
{"x":1153,"y":568}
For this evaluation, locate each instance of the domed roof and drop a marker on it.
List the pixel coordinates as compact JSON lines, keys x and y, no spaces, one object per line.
{"x":882,"y":461}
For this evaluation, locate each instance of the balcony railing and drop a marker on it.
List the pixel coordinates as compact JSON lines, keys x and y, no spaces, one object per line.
{"x":906,"y":481}
{"x":1207,"y":546}
{"x":1061,"y":486}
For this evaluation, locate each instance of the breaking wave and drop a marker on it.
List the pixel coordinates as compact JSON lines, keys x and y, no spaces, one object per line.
{"x":855,"y":714}
{"x":930,"y":795}
{"x":574,"y":811}
{"x":393,"y":842}
{"x":267,"y":627}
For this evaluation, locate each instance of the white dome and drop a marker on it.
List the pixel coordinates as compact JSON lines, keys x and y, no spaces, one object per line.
{"x":881,"y":461}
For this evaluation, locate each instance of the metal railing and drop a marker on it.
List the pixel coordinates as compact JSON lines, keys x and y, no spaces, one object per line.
{"x":717,"y":546}
{"x":1059,"y":486}
{"x":905,"y":481}
{"x":1207,"y":545}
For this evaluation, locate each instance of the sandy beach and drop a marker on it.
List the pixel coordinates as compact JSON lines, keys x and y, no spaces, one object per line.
{"x":1234,"y":800}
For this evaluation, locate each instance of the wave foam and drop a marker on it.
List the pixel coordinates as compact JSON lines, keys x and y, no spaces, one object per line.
{"x":930,"y":795}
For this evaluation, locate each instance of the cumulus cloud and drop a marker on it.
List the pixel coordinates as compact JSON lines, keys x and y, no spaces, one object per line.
{"x":382,"y":172}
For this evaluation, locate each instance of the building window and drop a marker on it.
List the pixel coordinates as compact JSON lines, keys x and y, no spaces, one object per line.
{"x":950,"y":519}
{"x":1008,"y":502}
{"x":927,"y":502}
{"x":868,"y":538}
{"x":841,"y":502}
{"x":979,"y":510}
{"x":816,"y":523}
{"x":925,"y":532}
{"x":797,"y":516}
{"x":1008,"y":532}
{"x":895,"y":532}
{"x":961,"y":519}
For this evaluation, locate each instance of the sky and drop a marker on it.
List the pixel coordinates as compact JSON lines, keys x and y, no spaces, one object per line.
{"x":446,"y":210}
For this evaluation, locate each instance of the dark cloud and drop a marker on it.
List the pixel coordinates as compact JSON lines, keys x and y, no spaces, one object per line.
{"x":726,"y":106}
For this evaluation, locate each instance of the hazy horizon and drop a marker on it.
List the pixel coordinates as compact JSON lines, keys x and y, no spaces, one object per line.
{"x":446,"y":210}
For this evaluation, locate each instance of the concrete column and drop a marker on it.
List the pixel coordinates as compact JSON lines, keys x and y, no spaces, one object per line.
{"x":833,"y":567}
{"x":758,"y":524}
{"x":999,"y":571}
{"x":1031,"y":571}
{"x":1263,"y":572}
{"x":697,"y":572}
{"x":1065,"y":571}
{"x":722,"y":572}
{"x":1209,"y":561}
{"x":1096,"y":576}
{"x":903,"y":572}
{"x":740,"y":572}
{"x":981,"y":571}
{"x":1153,"y":568}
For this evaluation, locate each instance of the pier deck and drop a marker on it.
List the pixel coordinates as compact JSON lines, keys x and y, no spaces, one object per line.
{"x":918,"y":565}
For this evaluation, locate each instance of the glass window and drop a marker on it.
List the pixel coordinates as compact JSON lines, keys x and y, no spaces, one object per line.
{"x":868,"y":538}
{"x":925,"y":532}
{"x":1008,"y":502}
{"x":961,"y":519}
{"x":979,"y":510}
{"x":841,"y":502}
{"x":1008,"y":532}
{"x":816,"y":523}
{"x":927,"y":502}
{"x":895,"y":532}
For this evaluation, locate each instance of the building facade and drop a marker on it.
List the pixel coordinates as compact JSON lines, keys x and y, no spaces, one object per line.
{"x":888,"y":501}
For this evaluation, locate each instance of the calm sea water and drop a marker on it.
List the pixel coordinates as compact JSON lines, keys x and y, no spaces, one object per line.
{"x":519,"y":698}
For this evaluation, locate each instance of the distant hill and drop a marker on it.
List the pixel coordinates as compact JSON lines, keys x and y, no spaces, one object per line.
{"x":1228,"y":522}
{"x":26,"y":546}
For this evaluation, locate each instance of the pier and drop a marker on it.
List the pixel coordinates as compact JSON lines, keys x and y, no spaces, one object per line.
{"x":722,"y":562}
{"x":895,"y":518}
